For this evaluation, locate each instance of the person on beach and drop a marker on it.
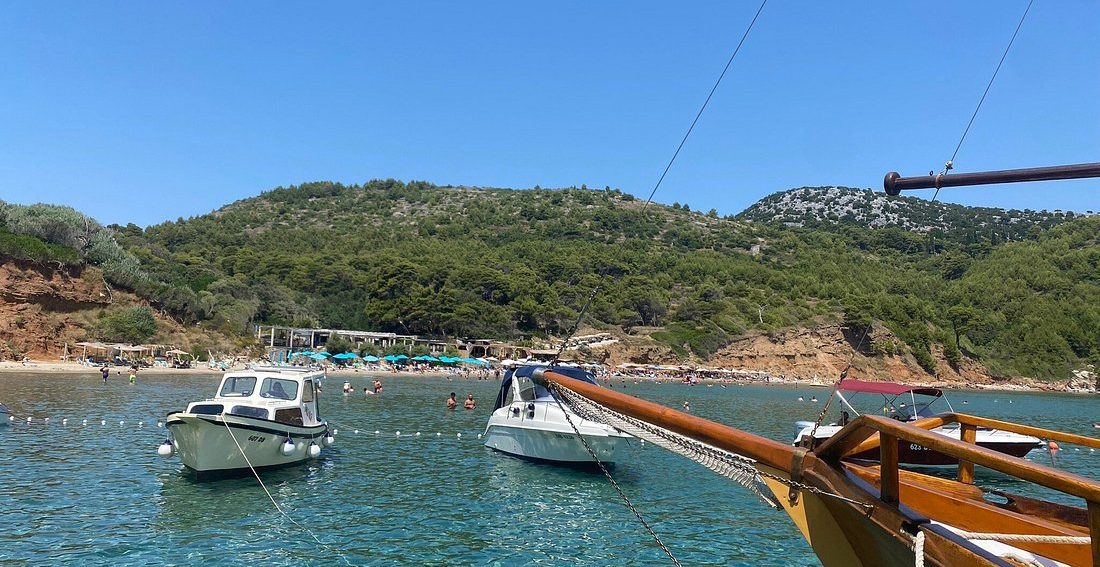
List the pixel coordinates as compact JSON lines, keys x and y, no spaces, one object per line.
{"x":452,"y":403}
{"x":470,"y":403}
{"x":105,"y":372}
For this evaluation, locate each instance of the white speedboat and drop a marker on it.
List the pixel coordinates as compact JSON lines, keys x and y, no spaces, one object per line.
{"x":259,"y":418}
{"x":527,"y":422}
{"x":900,"y":402}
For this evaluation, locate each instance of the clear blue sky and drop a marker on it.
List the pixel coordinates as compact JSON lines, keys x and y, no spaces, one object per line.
{"x":147,"y":111}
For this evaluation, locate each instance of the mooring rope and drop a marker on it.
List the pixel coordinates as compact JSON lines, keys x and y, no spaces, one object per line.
{"x":1024,"y":538}
{"x":611,"y":479}
{"x":918,"y":549}
{"x":270,"y":497}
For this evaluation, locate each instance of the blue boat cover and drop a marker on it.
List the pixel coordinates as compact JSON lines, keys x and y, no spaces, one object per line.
{"x":528,"y":370}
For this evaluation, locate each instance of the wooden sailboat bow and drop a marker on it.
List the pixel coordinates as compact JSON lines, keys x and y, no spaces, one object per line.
{"x":873,"y":513}
{"x":895,"y":183}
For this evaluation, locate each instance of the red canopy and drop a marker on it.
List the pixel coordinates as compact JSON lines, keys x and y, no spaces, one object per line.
{"x":886,"y":388}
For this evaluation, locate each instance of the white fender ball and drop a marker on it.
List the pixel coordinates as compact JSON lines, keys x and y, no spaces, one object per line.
{"x":165,"y":449}
{"x":287,"y":448}
{"x":327,"y":440}
{"x":314,"y":450}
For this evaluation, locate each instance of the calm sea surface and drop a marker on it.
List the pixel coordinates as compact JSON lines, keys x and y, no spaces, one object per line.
{"x":99,"y":494}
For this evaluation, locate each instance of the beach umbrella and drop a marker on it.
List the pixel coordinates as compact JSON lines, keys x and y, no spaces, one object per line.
{"x":345,"y":356}
{"x":370,"y":358}
{"x":318,"y":356}
{"x":430,"y":358}
{"x":401,"y":357}
{"x":390,"y":358}
{"x":448,"y":359}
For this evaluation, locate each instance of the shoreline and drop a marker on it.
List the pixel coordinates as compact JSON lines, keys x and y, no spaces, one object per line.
{"x":59,"y":367}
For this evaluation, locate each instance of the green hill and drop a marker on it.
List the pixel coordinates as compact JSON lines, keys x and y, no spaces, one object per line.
{"x":473,"y":262}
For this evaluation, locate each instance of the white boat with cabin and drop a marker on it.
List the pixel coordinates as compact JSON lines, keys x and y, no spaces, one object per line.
{"x":528,"y":422}
{"x":261,"y":418}
{"x":894,"y":405}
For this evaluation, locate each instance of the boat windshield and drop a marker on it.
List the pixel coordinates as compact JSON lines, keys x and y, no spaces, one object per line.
{"x":238,"y":386}
{"x":279,"y":389}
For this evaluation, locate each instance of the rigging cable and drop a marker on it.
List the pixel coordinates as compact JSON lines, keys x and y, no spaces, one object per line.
{"x":951,"y":162}
{"x":744,"y":36}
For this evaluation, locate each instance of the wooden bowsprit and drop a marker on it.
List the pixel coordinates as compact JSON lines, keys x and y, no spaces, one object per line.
{"x":859,"y":513}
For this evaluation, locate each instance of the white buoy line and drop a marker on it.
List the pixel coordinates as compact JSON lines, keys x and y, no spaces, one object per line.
{"x":165,"y":449}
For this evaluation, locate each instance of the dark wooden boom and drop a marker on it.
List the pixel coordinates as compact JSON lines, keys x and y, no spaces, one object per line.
{"x":895,"y":183}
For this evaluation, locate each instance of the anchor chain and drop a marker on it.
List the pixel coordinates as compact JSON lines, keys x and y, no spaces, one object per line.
{"x":611,"y":479}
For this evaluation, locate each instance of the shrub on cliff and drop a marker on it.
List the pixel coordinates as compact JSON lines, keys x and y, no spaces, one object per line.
{"x":133,"y":325}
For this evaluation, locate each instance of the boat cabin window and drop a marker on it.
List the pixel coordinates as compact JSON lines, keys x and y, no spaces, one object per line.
{"x":525,"y":387}
{"x":279,"y":389}
{"x":290,"y":416}
{"x":249,"y":411}
{"x":234,"y":386}
{"x":307,"y":391}
{"x":207,"y":409}
{"x":528,"y":390}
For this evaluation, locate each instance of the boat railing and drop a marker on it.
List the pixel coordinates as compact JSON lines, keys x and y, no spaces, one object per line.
{"x":867,"y":438}
{"x":867,"y":432}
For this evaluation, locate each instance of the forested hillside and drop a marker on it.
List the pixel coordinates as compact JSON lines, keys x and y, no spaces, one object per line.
{"x":472,"y":262}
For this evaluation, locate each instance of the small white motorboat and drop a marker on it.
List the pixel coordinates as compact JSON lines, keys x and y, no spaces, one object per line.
{"x":528,"y":422}
{"x":259,"y":419}
{"x":894,"y":397}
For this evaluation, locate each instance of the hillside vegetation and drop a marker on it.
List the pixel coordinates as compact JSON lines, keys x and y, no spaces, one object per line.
{"x":471,"y":262}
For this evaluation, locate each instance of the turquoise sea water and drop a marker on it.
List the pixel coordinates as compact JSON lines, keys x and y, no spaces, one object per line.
{"x":99,"y":494}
